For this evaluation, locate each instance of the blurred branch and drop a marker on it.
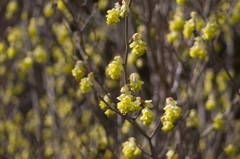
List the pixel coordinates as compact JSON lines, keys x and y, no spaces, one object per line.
{"x":126,"y":46}
{"x":219,"y":62}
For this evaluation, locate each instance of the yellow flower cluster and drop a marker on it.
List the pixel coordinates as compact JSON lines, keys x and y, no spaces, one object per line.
{"x":130,"y":149}
{"x":147,"y":116}
{"x":135,"y":82}
{"x":192,"y":120}
{"x":78,"y":71}
{"x":12,"y":7}
{"x":175,"y":26}
{"x":86,"y":83}
{"x":211,"y":102}
{"x":138,"y":46}
{"x":105,"y":106}
{"x":188,"y":28}
{"x":172,"y":113}
{"x":177,"y":23}
{"x":198,"y":49}
{"x":171,"y":154}
{"x":222,"y":79}
{"x":196,"y":22}
{"x":26,"y":63}
{"x":113,"y":17}
{"x":127,"y":101}
{"x":218,"y":121}
{"x":210,"y":30}
{"x":230,"y":150}
{"x":120,"y":10}
{"x":208,"y":82}
{"x":115,"y":67}
{"x":40,"y":54}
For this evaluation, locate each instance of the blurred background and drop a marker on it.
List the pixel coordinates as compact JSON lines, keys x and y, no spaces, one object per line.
{"x":44,"y":114}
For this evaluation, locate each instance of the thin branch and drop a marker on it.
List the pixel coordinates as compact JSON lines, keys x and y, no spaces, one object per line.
{"x":109,"y":107}
{"x":138,"y":114}
{"x":152,"y":148}
{"x":144,"y":152}
{"x":155,"y":129}
{"x":133,"y":122}
{"x":206,"y":132}
{"x":138,"y":127}
{"x":126,"y":49}
{"x":127,"y":46}
{"x":88,"y":19}
{"x":218,"y":61}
